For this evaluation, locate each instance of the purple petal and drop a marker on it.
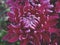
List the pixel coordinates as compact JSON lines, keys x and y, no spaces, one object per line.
{"x":13,"y":39}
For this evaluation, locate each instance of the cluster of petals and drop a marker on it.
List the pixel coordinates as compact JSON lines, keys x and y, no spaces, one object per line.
{"x":33,"y":22}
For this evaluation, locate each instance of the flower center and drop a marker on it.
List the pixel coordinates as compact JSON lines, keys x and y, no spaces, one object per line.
{"x":30,"y":21}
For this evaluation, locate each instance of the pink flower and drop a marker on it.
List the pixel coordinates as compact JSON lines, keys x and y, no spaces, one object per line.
{"x":32,"y":23}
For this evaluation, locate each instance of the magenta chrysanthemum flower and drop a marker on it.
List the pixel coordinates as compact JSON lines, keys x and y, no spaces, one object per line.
{"x":33,"y":21}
